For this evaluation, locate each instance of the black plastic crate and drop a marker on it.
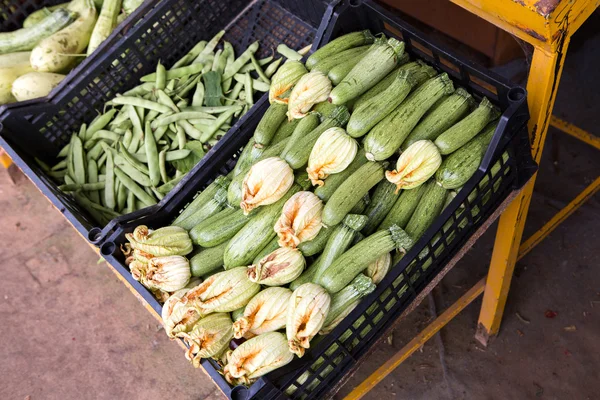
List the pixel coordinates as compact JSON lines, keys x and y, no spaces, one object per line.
{"x":14,"y":12}
{"x":166,"y":33}
{"x":333,"y":356}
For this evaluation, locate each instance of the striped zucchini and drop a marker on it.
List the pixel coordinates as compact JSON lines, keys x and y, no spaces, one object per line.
{"x":382,"y":201}
{"x":248,"y":157}
{"x":332,"y":182}
{"x":312,"y":247}
{"x":267,"y":127}
{"x":460,"y":166}
{"x":208,"y":260}
{"x":297,"y":155}
{"x":380,"y":60}
{"x":339,"y":71}
{"x":208,"y":209}
{"x":303,"y":128}
{"x":343,"y":57}
{"x":428,"y":209}
{"x":285,"y":130}
{"x":461,"y":132}
{"x":256,"y":234}
{"x":348,"y":41}
{"x":202,"y":198}
{"x":307,"y":276}
{"x":347,"y":266}
{"x":441,"y":117}
{"x":403,"y":208}
{"x":362,"y":204}
{"x":389,"y":134}
{"x":268,"y":249}
{"x":219,"y":228}
{"x":350,"y":192}
{"x":339,"y":241}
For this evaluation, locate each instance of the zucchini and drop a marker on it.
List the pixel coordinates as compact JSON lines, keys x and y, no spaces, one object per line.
{"x":389,"y":134}
{"x":348,"y":41}
{"x":256,"y":234}
{"x":303,"y":128}
{"x":343,"y":57}
{"x":380,"y":60}
{"x":12,"y":66}
{"x":428,"y":209}
{"x":361,"y":206}
{"x":461,"y":132}
{"x":307,"y":276}
{"x":219,"y":228}
{"x":350,"y":192}
{"x":339,"y":72}
{"x":268,"y":249}
{"x":339,"y":242}
{"x":34,"y":85}
{"x":297,"y":155}
{"x":38,"y":16}
{"x":382,"y":201}
{"x":332,"y":182}
{"x":460,"y":166}
{"x":213,"y":91}
{"x":441,"y":117}
{"x":203,"y":197}
{"x":315,"y":246}
{"x":403,"y":208}
{"x":234,"y":191}
{"x":347,"y":266}
{"x":208,"y":260}
{"x":267,"y":127}
{"x":285,"y":130}
{"x":206,"y":210}
{"x":248,"y":157}
{"x":27,"y":38}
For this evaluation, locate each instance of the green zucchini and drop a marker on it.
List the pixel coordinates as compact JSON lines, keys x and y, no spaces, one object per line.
{"x":441,"y":117}
{"x":347,"y":266}
{"x":256,"y":234}
{"x":37,"y":16}
{"x":208,"y":260}
{"x":315,"y":246}
{"x":234,"y":191}
{"x":27,"y":38}
{"x":208,"y":209}
{"x":460,"y":133}
{"x":349,"y":193}
{"x":339,"y":242}
{"x":325,"y":109}
{"x":428,"y":209}
{"x":460,"y":166}
{"x":348,"y":41}
{"x":267,"y":127}
{"x":306,"y":276}
{"x":297,"y":155}
{"x":343,"y":57}
{"x":219,"y":228}
{"x":385,"y":82}
{"x":381,"y":59}
{"x":403,"y":208}
{"x":382,"y":201}
{"x":303,"y":128}
{"x":213,"y":92}
{"x":332,"y":182}
{"x":202,"y":198}
{"x":285,"y":130}
{"x":339,"y":72}
{"x":248,"y":157}
{"x":389,"y":134}
{"x":268,"y":249}
{"x":361,"y":206}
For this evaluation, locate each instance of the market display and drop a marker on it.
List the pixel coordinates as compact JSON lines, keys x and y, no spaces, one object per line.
{"x":145,"y":140}
{"x":37,"y":57}
{"x":324,"y":200}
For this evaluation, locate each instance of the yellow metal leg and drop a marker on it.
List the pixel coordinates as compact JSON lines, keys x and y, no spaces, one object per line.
{"x":542,"y":86}
{"x":576,"y":132}
{"x":5,"y":159}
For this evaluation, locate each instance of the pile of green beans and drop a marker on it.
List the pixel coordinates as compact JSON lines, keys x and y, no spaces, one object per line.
{"x":148,"y":138}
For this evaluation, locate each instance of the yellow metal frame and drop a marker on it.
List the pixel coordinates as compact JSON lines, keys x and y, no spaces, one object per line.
{"x":547,"y":25}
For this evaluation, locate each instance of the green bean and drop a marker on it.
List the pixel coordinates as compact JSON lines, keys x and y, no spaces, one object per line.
{"x":211,"y":45}
{"x":140,"y":89}
{"x":129,"y":208}
{"x":127,"y":138}
{"x":256,"y":84}
{"x":190,"y":130}
{"x":208,"y":110}
{"x":45,"y":167}
{"x":152,"y":155}
{"x":92,"y":170}
{"x":198,"y":98}
{"x":241,"y":61}
{"x":185,"y":115}
{"x":161,"y":76}
{"x":121,"y":117}
{"x":140,"y":112}
{"x":248,"y":89}
{"x":60,"y":165}
{"x":201,"y":121}
{"x":151,"y":116}
{"x":57,"y":174}
{"x":170,"y":86}
{"x":78,"y":159}
{"x":121,"y":196}
{"x":188,"y":87}
{"x":138,"y":132}
{"x":175,"y":73}
{"x":101,"y":178}
{"x":95,"y":151}
{"x":162,"y":164}
{"x":217,"y":124}
{"x":132,"y":160}
{"x":109,"y":182}
{"x":137,"y":102}
{"x":217,"y":56}
{"x":288,"y":53}
{"x":74,"y":187}
{"x":272,"y":68}
{"x":134,"y":187}
{"x":235,"y":93}
{"x":229,"y":61}
{"x":166,"y":101}
{"x":250,"y":67}
{"x":159,"y":132}
{"x":130,"y":170}
{"x":189,"y":57}
{"x":82,"y":130}
{"x":100,"y":122}
{"x":180,"y":138}
{"x":167,"y":187}
{"x":158,"y":194}
{"x":259,"y":71}
{"x":101,"y":161}
{"x":64,"y":151}
{"x":102,"y":134}
{"x":170,"y":155}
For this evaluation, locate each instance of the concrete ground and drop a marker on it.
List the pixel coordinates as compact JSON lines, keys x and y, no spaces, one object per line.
{"x":71,"y":330}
